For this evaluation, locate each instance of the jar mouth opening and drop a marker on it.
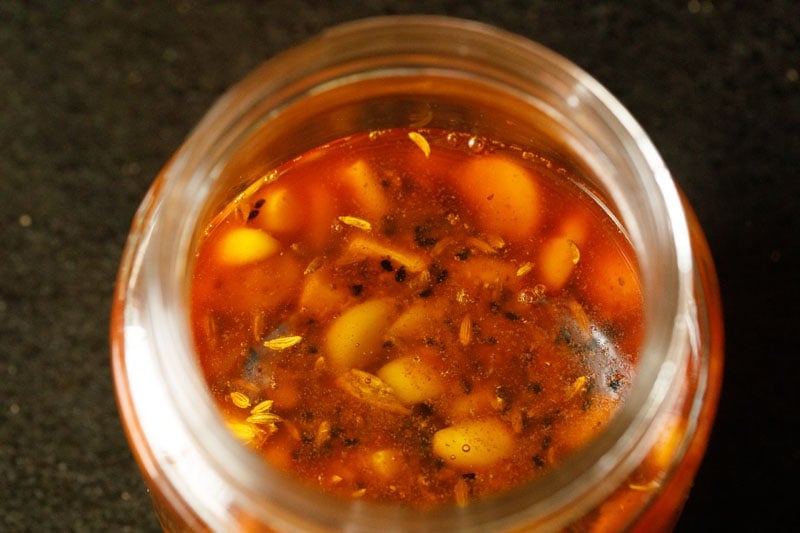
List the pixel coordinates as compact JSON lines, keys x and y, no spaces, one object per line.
{"x":639,"y":185}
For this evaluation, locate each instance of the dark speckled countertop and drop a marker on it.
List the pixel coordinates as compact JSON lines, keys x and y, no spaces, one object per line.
{"x":94,"y":97}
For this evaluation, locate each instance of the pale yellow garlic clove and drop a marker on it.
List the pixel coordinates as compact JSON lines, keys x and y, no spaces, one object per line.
{"x":412,"y":379}
{"x":473,"y":443}
{"x":503,"y":195}
{"x":558,"y":257}
{"x":241,"y":246}
{"x":356,"y":335}
{"x":365,"y":189}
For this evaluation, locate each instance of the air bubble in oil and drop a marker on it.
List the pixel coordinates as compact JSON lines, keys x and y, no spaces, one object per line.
{"x":476,"y":144}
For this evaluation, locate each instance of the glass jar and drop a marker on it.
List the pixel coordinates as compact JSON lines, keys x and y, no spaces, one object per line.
{"x":407,"y":72}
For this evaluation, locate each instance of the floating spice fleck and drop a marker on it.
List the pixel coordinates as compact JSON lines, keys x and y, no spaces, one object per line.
{"x":263,"y":418}
{"x":400,"y":276}
{"x":356,"y":222}
{"x":437,"y":273}
{"x":420,"y":141}
{"x":323,"y":434}
{"x":481,"y":245}
{"x":465,"y":331}
{"x":313,"y":265}
{"x":423,"y":237}
{"x":258,"y":326}
{"x":282,"y":343}
{"x":576,"y":386}
{"x":262,"y":407}
{"x":386,"y":265}
{"x":463,"y":255}
{"x":496,"y":242}
{"x":525,"y":268}
{"x":462,"y":297}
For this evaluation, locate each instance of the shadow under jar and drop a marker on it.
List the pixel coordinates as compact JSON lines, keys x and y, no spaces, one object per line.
{"x":434,"y":85}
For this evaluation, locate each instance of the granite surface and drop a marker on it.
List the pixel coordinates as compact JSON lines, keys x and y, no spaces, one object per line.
{"x":94,"y":97}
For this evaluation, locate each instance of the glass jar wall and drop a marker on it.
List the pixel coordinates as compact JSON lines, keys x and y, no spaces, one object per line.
{"x":454,"y":75}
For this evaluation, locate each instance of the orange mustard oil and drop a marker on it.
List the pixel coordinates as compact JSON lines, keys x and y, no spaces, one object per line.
{"x":416,"y":316}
